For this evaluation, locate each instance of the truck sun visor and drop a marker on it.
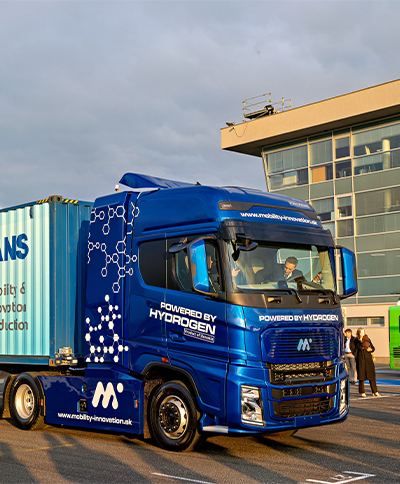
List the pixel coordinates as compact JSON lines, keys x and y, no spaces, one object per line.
{"x":135,"y":180}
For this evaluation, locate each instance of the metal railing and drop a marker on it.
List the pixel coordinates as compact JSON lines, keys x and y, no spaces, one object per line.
{"x":262,"y":105}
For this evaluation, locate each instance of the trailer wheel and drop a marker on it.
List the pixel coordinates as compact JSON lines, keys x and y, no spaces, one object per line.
{"x":174,"y":418}
{"x":25,"y":403}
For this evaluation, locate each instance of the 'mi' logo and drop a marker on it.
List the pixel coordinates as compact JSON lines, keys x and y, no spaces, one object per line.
{"x":304,"y":344}
{"x":107,"y":394}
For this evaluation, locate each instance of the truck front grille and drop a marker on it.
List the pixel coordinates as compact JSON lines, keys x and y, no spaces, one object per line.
{"x":307,"y":344}
{"x":303,"y":407}
{"x":296,"y":373}
{"x":279,"y":393}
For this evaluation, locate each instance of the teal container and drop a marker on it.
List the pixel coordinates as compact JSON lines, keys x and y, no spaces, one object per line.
{"x":43,"y":251}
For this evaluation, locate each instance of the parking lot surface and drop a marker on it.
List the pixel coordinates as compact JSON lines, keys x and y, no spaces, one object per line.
{"x":364,"y":448}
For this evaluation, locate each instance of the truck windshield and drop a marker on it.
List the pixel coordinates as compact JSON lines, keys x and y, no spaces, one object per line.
{"x":279,"y":267}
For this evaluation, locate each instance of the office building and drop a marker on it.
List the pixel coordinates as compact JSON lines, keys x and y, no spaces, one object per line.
{"x":343,"y":156}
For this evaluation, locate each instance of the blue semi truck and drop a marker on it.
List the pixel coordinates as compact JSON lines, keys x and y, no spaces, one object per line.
{"x":172,"y":311}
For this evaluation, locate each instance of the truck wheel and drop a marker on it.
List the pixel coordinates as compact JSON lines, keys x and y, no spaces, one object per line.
{"x":174,"y":418}
{"x":25,"y":403}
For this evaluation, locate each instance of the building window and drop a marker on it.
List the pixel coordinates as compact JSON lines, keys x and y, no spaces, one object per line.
{"x":378,"y":223}
{"x":287,"y":168}
{"x":377,"y":201}
{"x":324,"y":208}
{"x":322,"y":173}
{"x":359,"y":322}
{"x":342,"y":148}
{"x":384,"y":286}
{"x":379,"y":321}
{"x":320,"y":152}
{"x":377,"y":149}
{"x":362,"y":322}
{"x":369,"y":164}
{"x":286,"y":160}
{"x":345,"y":228}
{"x":343,"y":168}
{"x":367,"y":142}
{"x":288,"y":179}
{"x":344,"y":206}
{"x":375,"y":140}
{"x":379,"y":263}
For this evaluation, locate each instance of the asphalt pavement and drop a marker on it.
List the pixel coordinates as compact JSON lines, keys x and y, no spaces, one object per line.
{"x":386,"y":376}
{"x":363,"y":448}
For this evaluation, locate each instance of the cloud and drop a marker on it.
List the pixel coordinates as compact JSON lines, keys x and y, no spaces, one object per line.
{"x":90,"y":90}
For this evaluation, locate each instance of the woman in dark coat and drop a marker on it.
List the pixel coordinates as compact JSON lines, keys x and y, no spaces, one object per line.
{"x":365,"y":363}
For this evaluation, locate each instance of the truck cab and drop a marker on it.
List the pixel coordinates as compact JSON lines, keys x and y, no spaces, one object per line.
{"x":207,"y":304}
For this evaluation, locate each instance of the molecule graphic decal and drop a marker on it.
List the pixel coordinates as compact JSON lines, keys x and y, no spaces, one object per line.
{"x":110,"y":261}
{"x":117,"y":254}
{"x":98,"y":351}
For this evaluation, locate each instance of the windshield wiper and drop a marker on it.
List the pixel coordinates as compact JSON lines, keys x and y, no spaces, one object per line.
{"x":282,"y":285}
{"x":293,"y":291}
{"x":314,"y":287}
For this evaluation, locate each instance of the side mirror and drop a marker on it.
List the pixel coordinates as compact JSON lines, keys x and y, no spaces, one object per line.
{"x":247,"y":245}
{"x":349,"y":272}
{"x":198,"y":266}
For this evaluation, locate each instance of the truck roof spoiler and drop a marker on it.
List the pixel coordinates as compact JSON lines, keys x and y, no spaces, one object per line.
{"x":135,"y":180}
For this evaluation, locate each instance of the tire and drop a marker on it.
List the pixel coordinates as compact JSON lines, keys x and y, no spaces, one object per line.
{"x":174,"y":418}
{"x":24,"y":403}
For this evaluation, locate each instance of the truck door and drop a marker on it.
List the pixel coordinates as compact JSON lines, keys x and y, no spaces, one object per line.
{"x":195,"y":323}
{"x":147,"y":292}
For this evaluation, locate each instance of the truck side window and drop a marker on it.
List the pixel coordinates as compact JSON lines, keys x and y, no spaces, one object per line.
{"x":182,"y":270}
{"x":213,"y":268}
{"x":179,"y":274}
{"x":152,"y":262}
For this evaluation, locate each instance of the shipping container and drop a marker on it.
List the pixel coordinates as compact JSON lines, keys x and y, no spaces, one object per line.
{"x":43,"y":250}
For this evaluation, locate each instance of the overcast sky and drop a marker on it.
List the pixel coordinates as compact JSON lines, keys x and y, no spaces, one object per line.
{"x":90,"y":90}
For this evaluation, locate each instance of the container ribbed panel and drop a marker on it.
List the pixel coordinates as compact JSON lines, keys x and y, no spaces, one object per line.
{"x":25,"y":315}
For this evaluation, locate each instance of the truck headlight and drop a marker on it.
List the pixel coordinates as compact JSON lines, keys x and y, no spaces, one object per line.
{"x":251,"y":406}
{"x":343,"y":396}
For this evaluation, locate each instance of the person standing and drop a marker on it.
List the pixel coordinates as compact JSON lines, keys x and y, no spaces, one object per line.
{"x":349,"y":355}
{"x":365,"y":363}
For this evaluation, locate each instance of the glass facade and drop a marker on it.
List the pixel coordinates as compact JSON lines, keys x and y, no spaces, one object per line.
{"x":352,"y":179}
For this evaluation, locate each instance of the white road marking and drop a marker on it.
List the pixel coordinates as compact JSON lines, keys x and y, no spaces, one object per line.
{"x":180,"y":478}
{"x":352,"y":399}
{"x":339,"y":478}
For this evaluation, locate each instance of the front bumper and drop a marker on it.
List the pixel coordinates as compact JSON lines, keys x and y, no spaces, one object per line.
{"x":293,"y":396}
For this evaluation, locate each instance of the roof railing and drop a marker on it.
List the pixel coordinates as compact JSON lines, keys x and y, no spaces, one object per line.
{"x":262,"y":105}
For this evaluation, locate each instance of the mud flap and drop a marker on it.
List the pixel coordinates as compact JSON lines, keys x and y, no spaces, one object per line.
{"x":4,"y":379}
